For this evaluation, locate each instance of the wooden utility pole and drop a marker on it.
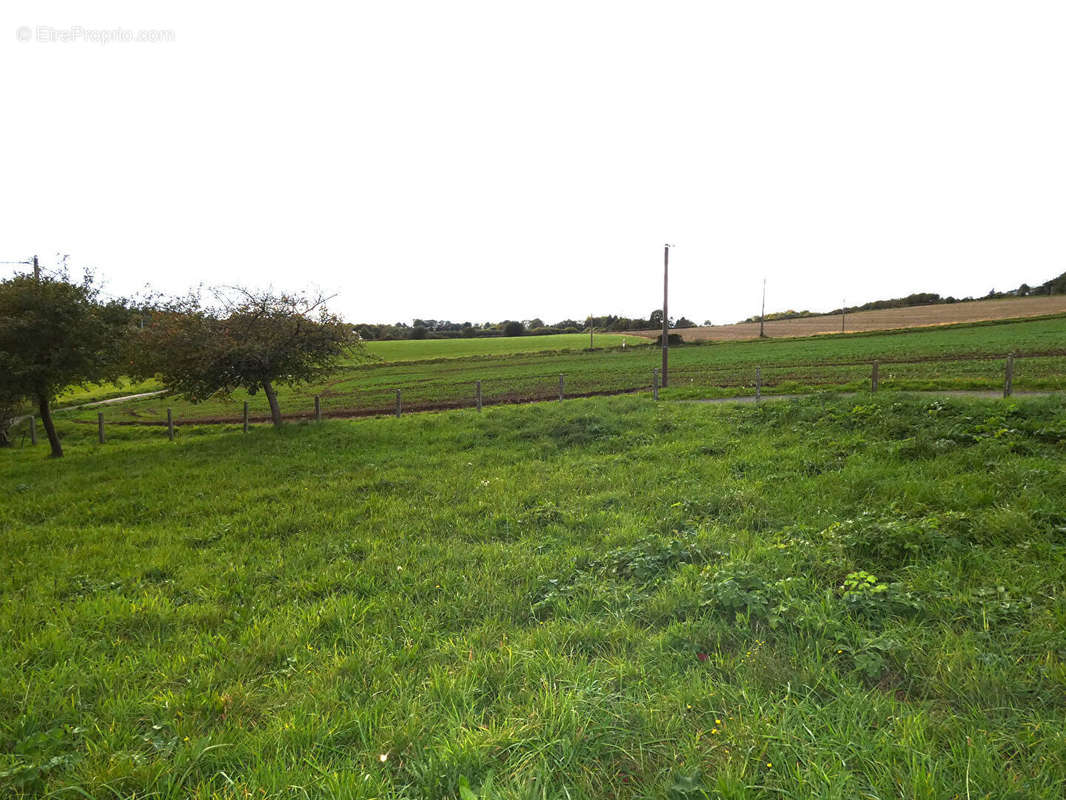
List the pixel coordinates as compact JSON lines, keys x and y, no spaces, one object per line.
{"x":36,"y":270}
{"x":762,"y":313}
{"x":666,"y":317}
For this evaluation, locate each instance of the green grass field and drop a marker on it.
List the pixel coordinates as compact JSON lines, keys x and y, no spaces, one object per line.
{"x":396,"y":352}
{"x":604,"y":598}
{"x":961,"y":357}
{"x":427,"y":349}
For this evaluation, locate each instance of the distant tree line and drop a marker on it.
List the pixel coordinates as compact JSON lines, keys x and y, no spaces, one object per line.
{"x":1054,"y":286}
{"x":446,"y":329}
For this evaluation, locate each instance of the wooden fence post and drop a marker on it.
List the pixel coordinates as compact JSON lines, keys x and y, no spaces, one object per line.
{"x":399,"y":404}
{"x":1008,"y":378}
{"x":560,"y":387}
{"x":875,"y":377}
{"x":758,"y":384}
{"x":655,"y":383}
{"x":479,"y":395}
{"x":170,"y":425}
{"x":33,"y":430}
{"x":318,"y":409}
{"x":100,"y":426}
{"x":246,"y":416}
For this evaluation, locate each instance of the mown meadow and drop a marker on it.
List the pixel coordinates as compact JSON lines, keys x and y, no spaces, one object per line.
{"x":603,"y":598}
{"x":958,"y":357}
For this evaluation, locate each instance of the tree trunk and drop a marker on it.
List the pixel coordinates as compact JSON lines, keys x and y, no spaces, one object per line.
{"x":272,"y":398}
{"x":49,"y":426}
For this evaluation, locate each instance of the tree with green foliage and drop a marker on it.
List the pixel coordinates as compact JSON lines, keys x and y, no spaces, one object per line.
{"x":249,"y":340}
{"x":513,"y":328}
{"x":55,"y":333}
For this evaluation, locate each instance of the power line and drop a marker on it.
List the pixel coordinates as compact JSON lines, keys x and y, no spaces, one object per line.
{"x":762,"y":314}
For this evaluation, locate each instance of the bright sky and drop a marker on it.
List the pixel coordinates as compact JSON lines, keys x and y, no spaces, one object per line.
{"x":477,"y":161}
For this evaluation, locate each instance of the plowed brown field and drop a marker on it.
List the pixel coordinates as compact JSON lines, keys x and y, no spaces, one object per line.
{"x":885,"y":319}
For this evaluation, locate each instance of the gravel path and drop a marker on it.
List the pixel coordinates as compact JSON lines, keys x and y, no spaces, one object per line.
{"x":95,"y":403}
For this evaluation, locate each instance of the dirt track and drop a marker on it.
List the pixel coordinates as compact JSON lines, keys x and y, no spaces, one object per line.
{"x":886,"y":319}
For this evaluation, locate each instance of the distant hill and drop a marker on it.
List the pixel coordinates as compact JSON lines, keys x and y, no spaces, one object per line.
{"x":1011,"y":307}
{"x":1056,"y":285}
{"x":1053,"y":286}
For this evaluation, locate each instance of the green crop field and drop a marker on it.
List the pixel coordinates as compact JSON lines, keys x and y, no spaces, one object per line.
{"x":604,"y":598}
{"x":961,"y":357}
{"x":425,"y":349}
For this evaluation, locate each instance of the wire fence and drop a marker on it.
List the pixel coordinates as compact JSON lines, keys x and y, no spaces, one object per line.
{"x":347,"y":398}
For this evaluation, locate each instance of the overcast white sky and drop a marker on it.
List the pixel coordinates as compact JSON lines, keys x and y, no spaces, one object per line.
{"x":499,"y":160}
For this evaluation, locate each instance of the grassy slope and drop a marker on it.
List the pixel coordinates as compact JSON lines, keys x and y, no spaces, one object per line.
{"x":602,"y":598}
{"x":703,"y":370}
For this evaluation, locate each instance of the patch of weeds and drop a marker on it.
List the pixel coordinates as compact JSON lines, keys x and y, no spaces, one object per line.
{"x":160,"y":741}
{"x":38,"y":755}
{"x":649,"y":559}
{"x":484,"y":792}
{"x":873,"y":600}
{"x":737,"y":591}
{"x":996,"y":607}
{"x":541,"y":515}
{"x":646,"y":562}
{"x":1052,"y":434}
{"x":891,"y":541}
{"x":873,"y":657}
{"x":687,"y":787}
{"x":30,"y":775}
